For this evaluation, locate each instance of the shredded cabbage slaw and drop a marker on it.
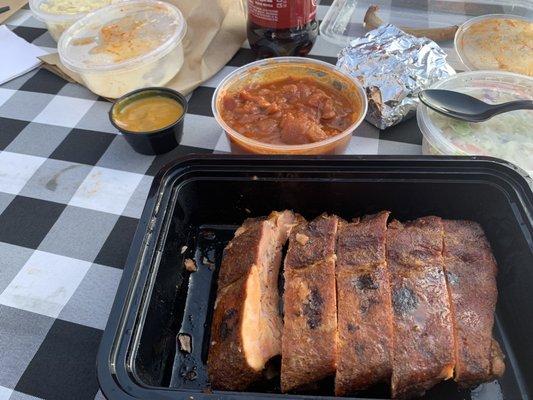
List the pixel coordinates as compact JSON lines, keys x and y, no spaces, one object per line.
{"x":508,"y":136}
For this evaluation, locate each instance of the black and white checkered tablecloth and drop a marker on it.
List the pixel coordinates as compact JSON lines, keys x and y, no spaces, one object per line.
{"x":71,"y":193}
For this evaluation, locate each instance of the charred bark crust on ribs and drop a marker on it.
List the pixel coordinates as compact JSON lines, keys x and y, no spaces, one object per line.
{"x":242,"y":252}
{"x":311,"y":242}
{"x":471,"y":278}
{"x":310,"y":322}
{"x":312,"y":309}
{"x":228,"y":367}
{"x":423,"y":342}
{"x":246,"y":327}
{"x":364,"y":308}
{"x":411,"y":302}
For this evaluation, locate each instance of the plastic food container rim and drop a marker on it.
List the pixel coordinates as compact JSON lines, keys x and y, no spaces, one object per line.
{"x":273,"y":62}
{"x":155,"y":54}
{"x":467,"y":24}
{"x":56,"y":17}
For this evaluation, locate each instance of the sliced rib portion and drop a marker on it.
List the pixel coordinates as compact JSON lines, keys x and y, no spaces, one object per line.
{"x":471,"y":277}
{"x":310,"y":322}
{"x":364,"y":310}
{"x":423,"y":343}
{"x":247,"y":325}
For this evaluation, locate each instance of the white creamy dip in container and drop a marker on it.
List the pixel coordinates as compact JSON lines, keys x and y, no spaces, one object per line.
{"x":125,"y":46}
{"x":59,"y":15}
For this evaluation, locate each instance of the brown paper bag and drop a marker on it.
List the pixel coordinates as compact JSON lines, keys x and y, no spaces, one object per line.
{"x":14,"y":6}
{"x":216,"y":30}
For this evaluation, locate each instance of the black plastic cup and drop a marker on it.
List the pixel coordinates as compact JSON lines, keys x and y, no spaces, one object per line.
{"x":155,"y":142}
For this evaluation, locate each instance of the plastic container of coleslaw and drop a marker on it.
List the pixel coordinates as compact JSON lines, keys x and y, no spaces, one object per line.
{"x":59,"y":15}
{"x":507,"y":136}
{"x":125,"y":46}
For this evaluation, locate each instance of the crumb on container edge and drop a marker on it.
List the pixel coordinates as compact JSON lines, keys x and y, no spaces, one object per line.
{"x":208,"y":262}
{"x":185,"y":342}
{"x":190,"y":265}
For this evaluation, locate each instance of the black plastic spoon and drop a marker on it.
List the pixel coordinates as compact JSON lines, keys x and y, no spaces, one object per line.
{"x":468,"y":108}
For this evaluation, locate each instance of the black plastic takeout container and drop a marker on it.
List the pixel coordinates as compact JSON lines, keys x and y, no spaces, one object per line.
{"x":200,"y":200}
{"x":154,"y":142}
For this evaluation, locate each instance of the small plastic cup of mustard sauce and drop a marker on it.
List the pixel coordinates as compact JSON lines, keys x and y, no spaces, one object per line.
{"x":150,"y":119}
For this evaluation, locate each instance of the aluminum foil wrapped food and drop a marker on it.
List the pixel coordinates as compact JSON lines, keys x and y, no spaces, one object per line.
{"x":393,"y":66}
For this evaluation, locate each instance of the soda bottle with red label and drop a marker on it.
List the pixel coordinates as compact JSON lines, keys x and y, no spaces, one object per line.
{"x":282,"y":27}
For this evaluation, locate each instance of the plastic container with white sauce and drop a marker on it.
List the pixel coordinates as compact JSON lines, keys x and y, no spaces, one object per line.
{"x":125,"y":46}
{"x":507,"y":136}
{"x":59,"y":15}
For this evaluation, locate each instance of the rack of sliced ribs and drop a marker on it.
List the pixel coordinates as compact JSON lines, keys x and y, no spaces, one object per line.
{"x":364,"y":301}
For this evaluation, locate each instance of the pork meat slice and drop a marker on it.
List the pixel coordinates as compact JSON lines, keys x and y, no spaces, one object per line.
{"x":423,"y":342}
{"x":471,"y":277}
{"x":247,"y":325}
{"x":364,"y":310}
{"x":309,"y":342}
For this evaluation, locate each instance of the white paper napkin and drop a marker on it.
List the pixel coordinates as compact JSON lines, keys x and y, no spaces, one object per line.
{"x":17,"y":56}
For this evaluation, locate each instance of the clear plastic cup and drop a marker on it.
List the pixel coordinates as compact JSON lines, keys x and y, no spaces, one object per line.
{"x":280,"y":68}
{"x":59,"y":15}
{"x":125,"y":46}
{"x":341,"y":24}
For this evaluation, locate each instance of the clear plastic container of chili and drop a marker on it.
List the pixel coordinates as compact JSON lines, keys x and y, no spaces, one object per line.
{"x":289,"y":105}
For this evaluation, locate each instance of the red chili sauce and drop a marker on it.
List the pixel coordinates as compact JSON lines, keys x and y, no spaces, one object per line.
{"x":288,"y":111}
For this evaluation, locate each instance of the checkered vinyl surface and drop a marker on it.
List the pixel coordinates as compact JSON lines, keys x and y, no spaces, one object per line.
{"x":71,"y":194}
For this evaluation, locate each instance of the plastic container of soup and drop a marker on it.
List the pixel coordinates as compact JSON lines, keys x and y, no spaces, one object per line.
{"x":59,"y":15}
{"x":496,"y":42}
{"x":126,"y":46}
{"x":507,"y":136}
{"x":278,"y":68}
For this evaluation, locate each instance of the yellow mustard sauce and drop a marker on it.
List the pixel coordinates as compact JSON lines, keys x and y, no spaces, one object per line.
{"x":148,"y":114}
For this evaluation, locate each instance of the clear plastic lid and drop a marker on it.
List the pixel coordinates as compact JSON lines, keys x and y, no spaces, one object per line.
{"x":122,"y":36}
{"x":496,"y":42}
{"x":341,"y":24}
{"x":344,"y":20}
{"x":507,"y":136}
{"x":65,"y":10}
